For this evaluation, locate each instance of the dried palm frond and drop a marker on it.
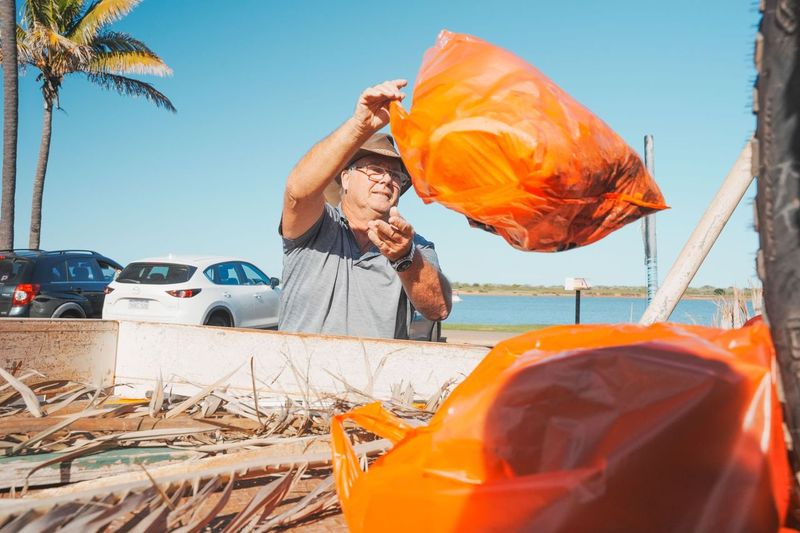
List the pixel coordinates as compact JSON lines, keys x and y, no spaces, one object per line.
{"x":243,"y":441}
{"x":65,"y":457}
{"x":320,"y":499}
{"x":255,"y":391}
{"x":186,"y":404}
{"x":73,"y":395}
{"x":265,"y":500}
{"x":56,"y":428}
{"x":27,"y":394}
{"x":436,"y":399}
{"x":95,"y":519}
{"x":403,"y":395}
{"x":209,"y":406}
{"x":157,"y":398}
{"x":198,"y":521}
{"x":23,"y":377}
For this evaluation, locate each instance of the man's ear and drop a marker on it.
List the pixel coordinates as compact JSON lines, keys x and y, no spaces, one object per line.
{"x":345,"y":178}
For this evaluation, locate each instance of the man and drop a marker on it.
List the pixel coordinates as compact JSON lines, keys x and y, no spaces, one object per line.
{"x":350,"y":270}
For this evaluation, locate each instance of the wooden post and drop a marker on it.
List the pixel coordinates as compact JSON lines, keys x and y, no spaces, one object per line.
{"x":702,"y":239}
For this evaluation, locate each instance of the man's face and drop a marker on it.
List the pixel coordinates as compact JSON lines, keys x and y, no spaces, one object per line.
{"x":373,"y":182}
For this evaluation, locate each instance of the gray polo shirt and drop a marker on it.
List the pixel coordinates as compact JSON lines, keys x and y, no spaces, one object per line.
{"x":330,"y":287}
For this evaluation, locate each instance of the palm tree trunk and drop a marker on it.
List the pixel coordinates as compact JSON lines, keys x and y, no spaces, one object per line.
{"x":8,"y":29}
{"x":38,"y":180}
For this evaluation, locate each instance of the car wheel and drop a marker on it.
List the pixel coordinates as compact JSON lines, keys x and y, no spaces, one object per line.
{"x":71,"y":312}
{"x":219,"y":319}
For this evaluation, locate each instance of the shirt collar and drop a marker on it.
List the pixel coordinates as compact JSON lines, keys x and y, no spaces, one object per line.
{"x":370,"y":252}
{"x":343,"y":218}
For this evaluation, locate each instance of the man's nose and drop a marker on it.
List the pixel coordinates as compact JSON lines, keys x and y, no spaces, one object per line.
{"x":383,"y":177}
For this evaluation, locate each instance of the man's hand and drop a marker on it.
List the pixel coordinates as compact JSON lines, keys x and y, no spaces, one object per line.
{"x":394,"y":238}
{"x":372,"y":109}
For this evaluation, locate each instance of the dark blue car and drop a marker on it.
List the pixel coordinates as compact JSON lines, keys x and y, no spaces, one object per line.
{"x":54,"y":284}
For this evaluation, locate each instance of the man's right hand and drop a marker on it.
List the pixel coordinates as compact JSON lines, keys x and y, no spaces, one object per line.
{"x":303,"y":199}
{"x":372,"y":109}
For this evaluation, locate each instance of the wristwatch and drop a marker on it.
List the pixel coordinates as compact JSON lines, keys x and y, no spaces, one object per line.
{"x":403,"y":264}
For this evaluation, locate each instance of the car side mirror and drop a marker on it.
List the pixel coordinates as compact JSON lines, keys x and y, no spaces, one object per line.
{"x":274,"y":282}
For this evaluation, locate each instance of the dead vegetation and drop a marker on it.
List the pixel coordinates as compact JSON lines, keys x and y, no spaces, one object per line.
{"x":742,"y":305}
{"x":86,"y":458}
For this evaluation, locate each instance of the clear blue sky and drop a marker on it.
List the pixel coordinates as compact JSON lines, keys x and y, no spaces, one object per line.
{"x":256,"y":83}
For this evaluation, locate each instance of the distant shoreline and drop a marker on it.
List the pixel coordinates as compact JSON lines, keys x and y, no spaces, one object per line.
{"x":585,"y":294}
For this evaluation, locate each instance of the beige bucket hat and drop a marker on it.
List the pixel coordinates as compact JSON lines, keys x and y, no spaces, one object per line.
{"x":380,"y":144}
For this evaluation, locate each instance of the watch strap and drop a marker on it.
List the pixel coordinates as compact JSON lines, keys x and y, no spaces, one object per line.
{"x":404,"y":262}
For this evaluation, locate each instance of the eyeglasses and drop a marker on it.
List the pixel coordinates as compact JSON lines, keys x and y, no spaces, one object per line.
{"x":376,"y":172}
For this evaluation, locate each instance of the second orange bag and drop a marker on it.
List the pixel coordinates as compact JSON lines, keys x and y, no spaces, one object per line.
{"x":586,"y":428}
{"x":491,"y":137}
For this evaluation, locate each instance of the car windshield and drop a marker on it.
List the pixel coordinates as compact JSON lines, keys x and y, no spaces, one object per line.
{"x":156,"y":273}
{"x":13,"y":270}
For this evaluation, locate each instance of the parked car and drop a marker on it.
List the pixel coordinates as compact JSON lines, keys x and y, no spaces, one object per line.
{"x":54,"y":284}
{"x":422,"y":329}
{"x":216,"y":291}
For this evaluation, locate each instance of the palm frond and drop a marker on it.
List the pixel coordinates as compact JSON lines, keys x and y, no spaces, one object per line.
{"x":28,"y":17}
{"x":67,"y":13}
{"x":31,"y":401}
{"x":39,"y":12}
{"x":112,"y":41}
{"x":131,"y":87}
{"x":22,"y":35}
{"x":128,"y":63}
{"x":98,"y":15}
{"x":119,"y":53}
{"x":60,"y":54}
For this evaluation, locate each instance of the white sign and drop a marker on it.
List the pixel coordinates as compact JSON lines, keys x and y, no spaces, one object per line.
{"x":576,"y":284}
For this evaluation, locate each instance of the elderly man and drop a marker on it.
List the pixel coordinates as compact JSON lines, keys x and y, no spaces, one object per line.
{"x":352,"y":269}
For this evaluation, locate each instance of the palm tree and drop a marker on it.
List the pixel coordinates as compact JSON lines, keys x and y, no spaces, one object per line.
{"x":62,"y":37}
{"x":8,"y":32}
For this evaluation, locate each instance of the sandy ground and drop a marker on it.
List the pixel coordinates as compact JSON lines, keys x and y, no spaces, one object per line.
{"x":480,"y":338}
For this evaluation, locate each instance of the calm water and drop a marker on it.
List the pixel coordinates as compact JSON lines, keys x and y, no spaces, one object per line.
{"x":474,"y":309}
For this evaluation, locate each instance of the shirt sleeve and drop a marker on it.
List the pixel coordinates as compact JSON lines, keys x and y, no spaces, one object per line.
{"x":307,"y":238}
{"x":427,"y":249}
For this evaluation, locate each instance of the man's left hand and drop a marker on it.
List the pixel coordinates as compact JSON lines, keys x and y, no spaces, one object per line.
{"x":394,"y":238}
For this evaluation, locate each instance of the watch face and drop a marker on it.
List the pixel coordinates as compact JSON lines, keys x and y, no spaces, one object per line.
{"x":404,"y":262}
{"x":403,"y":265}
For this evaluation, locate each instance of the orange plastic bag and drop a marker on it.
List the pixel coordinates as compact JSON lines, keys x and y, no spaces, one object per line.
{"x":491,"y":137}
{"x":586,"y":428}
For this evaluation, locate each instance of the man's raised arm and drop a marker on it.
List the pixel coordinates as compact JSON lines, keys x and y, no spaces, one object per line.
{"x":303,"y":199}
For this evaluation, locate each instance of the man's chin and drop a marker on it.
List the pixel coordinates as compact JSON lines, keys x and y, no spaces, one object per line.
{"x":381,"y":207}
